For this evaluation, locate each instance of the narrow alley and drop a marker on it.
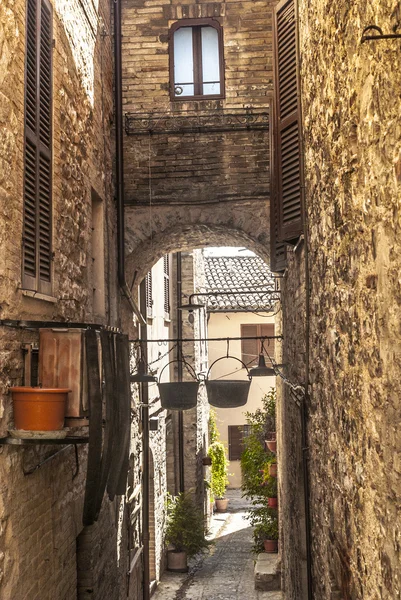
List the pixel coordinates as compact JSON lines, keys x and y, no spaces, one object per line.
{"x":226,"y":572}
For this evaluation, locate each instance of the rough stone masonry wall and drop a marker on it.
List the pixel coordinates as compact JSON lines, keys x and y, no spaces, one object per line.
{"x":225,"y":172}
{"x":291,"y":323}
{"x":351,"y":112}
{"x":41,"y":513}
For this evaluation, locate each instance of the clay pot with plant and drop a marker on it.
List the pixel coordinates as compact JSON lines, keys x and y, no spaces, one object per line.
{"x":271,"y":492}
{"x":185,"y":532}
{"x":273,"y":468}
{"x":270,"y":535}
{"x":219,"y":472}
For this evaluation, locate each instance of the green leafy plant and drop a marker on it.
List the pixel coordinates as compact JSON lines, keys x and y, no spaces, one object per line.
{"x":186,"y":529}
{"x":255,"y":459}
{"x":265,"y":526}
{"x":271,"y":487}
{"x":219,"y":470}
{"x":214,"y":435}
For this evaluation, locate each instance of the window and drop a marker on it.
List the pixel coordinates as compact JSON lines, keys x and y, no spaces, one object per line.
{"x":166,"y":278}
{"x":250,"y":349}
{"x":196,"y":59}
{"x":149,"y":295}
{"x":37,"y":215}
{"x":287,"y":195}
{"x":236,"y":435}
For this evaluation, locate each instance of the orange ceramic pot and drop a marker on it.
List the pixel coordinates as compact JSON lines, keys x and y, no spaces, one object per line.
{"x":39,"y":409}
{"x":273,"y":470}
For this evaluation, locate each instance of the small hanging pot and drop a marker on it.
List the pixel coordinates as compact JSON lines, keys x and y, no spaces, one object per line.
{"x":179,"y":395}
{"x":227,"y":393}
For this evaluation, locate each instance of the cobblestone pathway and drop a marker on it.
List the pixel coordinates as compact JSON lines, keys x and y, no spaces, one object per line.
{"x":226,"y":573}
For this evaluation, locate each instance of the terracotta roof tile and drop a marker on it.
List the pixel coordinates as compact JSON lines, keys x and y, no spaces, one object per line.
{"x":233,"y":273}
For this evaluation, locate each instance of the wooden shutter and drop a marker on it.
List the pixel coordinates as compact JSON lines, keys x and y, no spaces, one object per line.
{"x":149,"y":295}
{"x":289,"y":188}
{"x":278,"y":257}
{"x":166,"y":277}
{"x":249,"y":348}
{"x":235,"y":443}
{"x":37,"y":216}
{"x":268,"y":329}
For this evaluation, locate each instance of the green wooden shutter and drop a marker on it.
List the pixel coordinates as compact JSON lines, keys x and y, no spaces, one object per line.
{"x":37,"y":215}
{"x":289,"y":184}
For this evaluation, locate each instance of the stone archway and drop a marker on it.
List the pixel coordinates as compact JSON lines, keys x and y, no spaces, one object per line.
{"x":151,"y":234}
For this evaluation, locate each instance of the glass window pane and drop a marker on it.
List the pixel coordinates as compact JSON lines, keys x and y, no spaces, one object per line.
{"x":210,"y":61}
{"x":183,"y":62}
{"x":211,"y":88}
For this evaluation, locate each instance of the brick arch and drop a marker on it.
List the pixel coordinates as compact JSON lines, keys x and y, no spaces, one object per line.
{"x":173,"y":229}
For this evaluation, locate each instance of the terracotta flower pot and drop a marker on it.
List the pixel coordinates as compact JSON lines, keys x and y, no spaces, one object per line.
{"x":273,"y":470}
{"x":221,"y":504}
{"x":270,"y":545}
{"x":177,"y":561}
{"x":272,"y":445}
{"x":272,"y":502}
{"x":39,"y":409}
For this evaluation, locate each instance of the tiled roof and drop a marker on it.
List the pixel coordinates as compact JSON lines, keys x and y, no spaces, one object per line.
{"x":233,"y":273}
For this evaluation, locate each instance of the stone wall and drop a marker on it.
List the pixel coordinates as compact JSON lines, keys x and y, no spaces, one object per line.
{"x":351,"y":107}
{"x":41,"y":512}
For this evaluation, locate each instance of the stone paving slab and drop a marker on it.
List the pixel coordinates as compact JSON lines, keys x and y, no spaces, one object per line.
{"x":227,"y":572}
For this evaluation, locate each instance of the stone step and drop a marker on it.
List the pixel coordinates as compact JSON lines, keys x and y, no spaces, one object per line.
{"x":267,"y":572}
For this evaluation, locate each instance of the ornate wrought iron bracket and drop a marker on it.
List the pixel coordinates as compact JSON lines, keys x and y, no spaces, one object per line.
{"x":196,"y":121}
{"x":379,"y":36}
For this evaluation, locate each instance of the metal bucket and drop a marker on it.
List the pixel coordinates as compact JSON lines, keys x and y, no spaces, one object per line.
{"x":181,"y":395}
{"x":227,"y":393}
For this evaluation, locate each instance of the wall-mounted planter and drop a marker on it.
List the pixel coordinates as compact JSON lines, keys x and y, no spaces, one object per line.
{"x":273,"y":470}
{"x":39,"y":409}
{"x":272,"y":502}
{"x":207,"y":461}
{"x":272,"y":445}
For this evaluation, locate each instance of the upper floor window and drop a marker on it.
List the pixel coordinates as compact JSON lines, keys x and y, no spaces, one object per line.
{"x":196,"y":60}
{"x":37,"y":216}
{"x":251,"y":348}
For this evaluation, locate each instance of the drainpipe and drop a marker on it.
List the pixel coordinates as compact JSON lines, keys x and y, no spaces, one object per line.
{"x":179,"y":374}
{"x":145,"y":450}
{"x":118,"y":101}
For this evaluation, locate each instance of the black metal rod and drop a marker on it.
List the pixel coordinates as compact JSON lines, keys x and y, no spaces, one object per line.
{"x":145,"y":451}
{"x":223,"y":339}
{"x":118,"y":102}
{"x":389,"y":36}
{"x":119,"y":142}
{"x":179,"y":375}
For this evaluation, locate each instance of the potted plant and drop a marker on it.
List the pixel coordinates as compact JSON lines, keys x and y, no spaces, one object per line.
{"x":271,"y":492}
{"x":271,"y":442}
{"x":219,"y":479}
{"x":185,"y":531}
{"x":270,"y":535}
{"x":273,"y":467}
